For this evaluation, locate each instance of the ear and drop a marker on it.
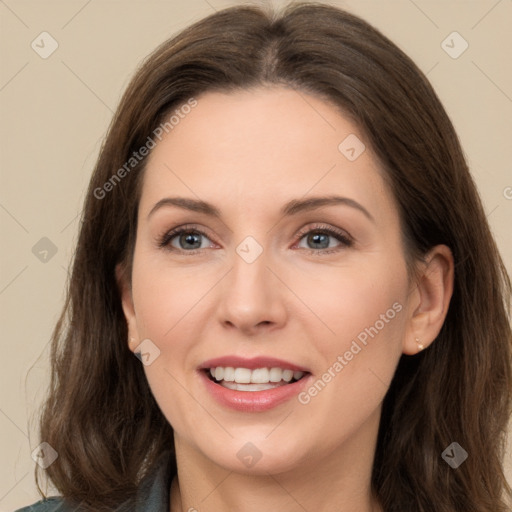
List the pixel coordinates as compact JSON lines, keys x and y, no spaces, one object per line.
{"x":430,"y":299}
{"x":125,"y":291}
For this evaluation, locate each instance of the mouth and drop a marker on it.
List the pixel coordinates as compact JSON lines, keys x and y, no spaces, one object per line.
{"x":252,"y":384}
{"x":258,"y":379}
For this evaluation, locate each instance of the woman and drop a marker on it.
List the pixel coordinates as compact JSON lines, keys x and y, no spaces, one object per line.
{"x":282,"y":227}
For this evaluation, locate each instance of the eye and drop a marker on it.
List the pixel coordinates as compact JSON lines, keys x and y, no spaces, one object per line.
{"x":185,"y":239}
{"x":189,"y":240}
{"x":318,"y":241}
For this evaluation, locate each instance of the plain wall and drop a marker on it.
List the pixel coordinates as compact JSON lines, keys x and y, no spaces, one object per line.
{"x":55,"y":112}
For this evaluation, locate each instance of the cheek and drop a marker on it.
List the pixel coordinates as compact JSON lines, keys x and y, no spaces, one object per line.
{"x":170,"y":309}
{"x":166,"y":298}
{"x":158,"y":317}
{"x":363,"y":300}
{"x":365,"y":311}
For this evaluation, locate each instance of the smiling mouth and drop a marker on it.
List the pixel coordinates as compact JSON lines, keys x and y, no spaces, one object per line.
{"x":259,"y":379}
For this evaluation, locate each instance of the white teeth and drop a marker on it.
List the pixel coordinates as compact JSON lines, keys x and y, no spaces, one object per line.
{"x":287,"y":375}
{"x":297,"y":375}
{"x":260,"y":376}
{"x":219,"y":373}
{"x":276,"y":374}
{"x":250,"y":387}
{"x":242,"y":375}
{"x":257,"y":376}
{"x":229,"y":374}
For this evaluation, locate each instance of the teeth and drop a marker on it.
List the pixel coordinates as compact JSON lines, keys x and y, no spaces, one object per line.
{"x":242,"y":375}
{"x":287,"y":375}
{"x":257,"y":376}
{"x":229,"y":374}
{"x":250,"y":387}
{"x":275,"y":374}
{"x":260,"y":376}
{"x":219,"y":373}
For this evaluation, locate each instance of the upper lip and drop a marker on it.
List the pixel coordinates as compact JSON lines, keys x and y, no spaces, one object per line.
{"x":251,"y":363}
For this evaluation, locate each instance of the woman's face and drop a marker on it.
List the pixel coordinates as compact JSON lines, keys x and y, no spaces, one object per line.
{"x":282,"y":276}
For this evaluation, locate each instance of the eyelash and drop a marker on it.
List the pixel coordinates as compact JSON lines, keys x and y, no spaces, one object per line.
{"x":346,"y":240}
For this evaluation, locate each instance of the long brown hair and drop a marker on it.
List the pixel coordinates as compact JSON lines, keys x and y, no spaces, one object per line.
{"x":100,"y":415}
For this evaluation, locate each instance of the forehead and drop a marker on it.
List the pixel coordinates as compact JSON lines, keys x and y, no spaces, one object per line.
{"x":268,"y":144}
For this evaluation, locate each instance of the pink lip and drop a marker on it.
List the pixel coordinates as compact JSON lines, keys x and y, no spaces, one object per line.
{"x":251,"y":364}
{"x":253,"y":401}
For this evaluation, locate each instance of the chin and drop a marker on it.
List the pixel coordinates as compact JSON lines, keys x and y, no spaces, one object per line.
{"x":255,"y":455}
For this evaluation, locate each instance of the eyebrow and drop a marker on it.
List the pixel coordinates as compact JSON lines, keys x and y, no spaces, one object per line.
{"x":293,"y":207}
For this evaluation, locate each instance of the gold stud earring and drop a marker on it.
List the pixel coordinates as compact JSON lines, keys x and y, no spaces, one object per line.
{"x":420,"y":345}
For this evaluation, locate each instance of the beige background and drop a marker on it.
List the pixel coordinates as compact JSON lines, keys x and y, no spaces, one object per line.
{"x":55,"y":112}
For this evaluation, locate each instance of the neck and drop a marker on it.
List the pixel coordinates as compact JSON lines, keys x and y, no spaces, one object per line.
{"x":341,"y":477}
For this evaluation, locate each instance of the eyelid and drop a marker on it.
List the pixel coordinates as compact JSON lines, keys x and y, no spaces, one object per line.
{"x":163,"y":241}
{"x":344,"y":238}
{"x":334,"y":231}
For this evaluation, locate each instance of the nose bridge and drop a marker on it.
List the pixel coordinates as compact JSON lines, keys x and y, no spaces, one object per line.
{"x":250,"y":294}
{"x":249,"y":277}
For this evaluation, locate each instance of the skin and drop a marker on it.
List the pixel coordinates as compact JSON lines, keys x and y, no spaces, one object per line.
{"x":248,"y":153}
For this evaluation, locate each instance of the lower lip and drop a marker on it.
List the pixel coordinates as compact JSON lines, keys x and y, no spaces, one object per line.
{"x":253,"y":401}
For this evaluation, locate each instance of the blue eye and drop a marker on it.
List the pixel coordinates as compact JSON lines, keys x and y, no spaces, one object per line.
{"x":319,"y":236}
{"x":190,"y":240}
{"x":186,"y":237}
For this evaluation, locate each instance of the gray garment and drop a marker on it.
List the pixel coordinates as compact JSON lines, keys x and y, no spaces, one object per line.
{"x":153,"y":493}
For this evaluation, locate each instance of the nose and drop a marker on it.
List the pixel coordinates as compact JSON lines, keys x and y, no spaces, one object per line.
{"x":252,"y":297}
